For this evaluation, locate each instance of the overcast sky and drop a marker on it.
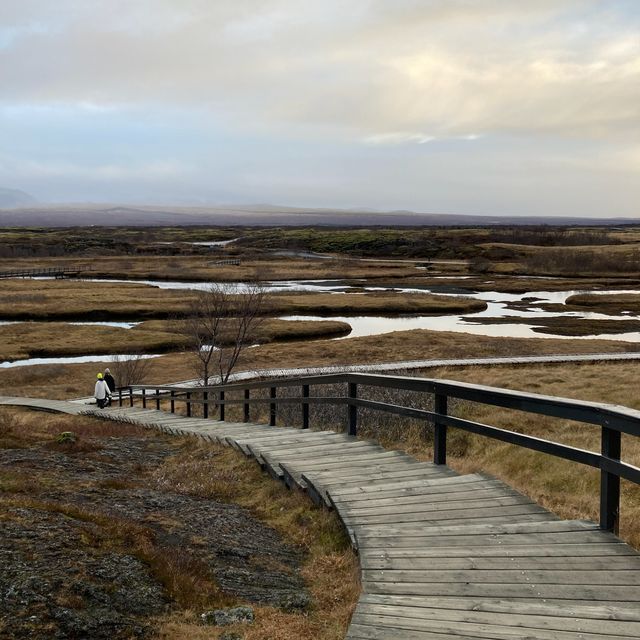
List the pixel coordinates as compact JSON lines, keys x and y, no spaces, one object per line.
{"x":453,"y":106}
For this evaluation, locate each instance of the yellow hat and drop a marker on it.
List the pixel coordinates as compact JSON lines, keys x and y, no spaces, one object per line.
{"x":99,"y":376}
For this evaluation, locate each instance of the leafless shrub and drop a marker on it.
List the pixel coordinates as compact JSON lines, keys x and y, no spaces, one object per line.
{"x":479,"y":265}
{"x":130,"y":369}
{"x":582,"y":262}
{"x":551,"y":237}
{"x":220,"y":325}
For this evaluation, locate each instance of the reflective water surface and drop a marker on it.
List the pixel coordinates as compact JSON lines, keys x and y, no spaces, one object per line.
{"x":72,"y":360}
{"x":499,"y":305}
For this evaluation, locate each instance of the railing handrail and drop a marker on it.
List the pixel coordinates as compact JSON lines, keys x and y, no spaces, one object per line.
{"x":613,"y":419}
{"x":617,"y":417}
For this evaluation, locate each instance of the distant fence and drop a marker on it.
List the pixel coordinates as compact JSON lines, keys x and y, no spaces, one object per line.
{"x":235,"y":261}
{"x":49,"y":272}
{"x":612,"y":419}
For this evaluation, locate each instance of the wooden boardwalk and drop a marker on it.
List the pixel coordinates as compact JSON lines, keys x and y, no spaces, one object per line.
{"x":462,"y":557}
{"x":45,"y":272}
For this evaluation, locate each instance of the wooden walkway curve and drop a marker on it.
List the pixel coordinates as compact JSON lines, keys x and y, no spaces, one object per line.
{"x":443,"y":556}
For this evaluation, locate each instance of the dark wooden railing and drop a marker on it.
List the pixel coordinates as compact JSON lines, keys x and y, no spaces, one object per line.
{"x":613,"y":420}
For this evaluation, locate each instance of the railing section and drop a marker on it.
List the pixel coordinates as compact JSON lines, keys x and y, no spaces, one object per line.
{"x":613,"y":420}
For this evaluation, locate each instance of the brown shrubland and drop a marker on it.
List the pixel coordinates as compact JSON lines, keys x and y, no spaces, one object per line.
{"x":206,"y":471}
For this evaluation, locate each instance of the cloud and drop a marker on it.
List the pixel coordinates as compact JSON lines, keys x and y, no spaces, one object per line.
{"x":369,"y":67}
{"x":324,"y":93}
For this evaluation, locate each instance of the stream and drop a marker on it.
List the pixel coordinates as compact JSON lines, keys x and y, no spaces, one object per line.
{"x":499,"y":305}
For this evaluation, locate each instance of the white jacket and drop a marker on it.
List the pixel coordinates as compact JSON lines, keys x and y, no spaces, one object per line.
{"x":102,"y":390}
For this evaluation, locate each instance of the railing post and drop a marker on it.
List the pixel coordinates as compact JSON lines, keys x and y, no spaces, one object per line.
{"x":144,"y":399}
{"x":158,"y":399}
{"x":440,"y":430}
{"x":221,"y":405}
{"x":120,"y":396}
{"x":188,"y":401}
{"x":353,"y":409}
{"x":205,"y":404}
{"x":173,"y":401}
{"x":247,"y":395}
{"x":272,"y":407}
{"x":305,"y":407}
{"x":131,"y":396}
{"x":610,"y":482}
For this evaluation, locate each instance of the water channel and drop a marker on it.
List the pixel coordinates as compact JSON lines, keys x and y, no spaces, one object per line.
{"x":500,"y":305}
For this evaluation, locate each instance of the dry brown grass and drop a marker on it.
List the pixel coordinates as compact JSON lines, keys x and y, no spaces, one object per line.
{"x":614,"y":303}
{"x":375,"y":303}
{"x":41,"y":300}
{"x":199,"y":469}
{"x":26,"y":427}
{"x":72,"y":381}
{"x":568,"y":489}
{"x":202,"y":268}
{"x":330,"y":567}
{"x":59,"y":339}
{"x":575,"y":261}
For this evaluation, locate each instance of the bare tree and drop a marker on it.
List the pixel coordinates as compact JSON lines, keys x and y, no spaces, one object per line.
{"x":132,"y":369}
{"x":220,"y":325}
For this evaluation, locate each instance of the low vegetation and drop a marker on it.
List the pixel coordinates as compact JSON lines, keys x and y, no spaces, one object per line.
{"x":611,"y":304}
{"x":57,"y":339}
{"x":40,"y":300}
{"x":76,"y":380}
{"x":569,"y":490}
{"x":207,"y":268}
{"x":583,"y":261}
{"x":187,"y":526}
{"x":178,"y":242}
{"x":567,"y":326}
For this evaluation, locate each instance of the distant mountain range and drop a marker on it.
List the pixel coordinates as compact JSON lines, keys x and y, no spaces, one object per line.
{"x":15,"y":198}
{"x":24,"y":214}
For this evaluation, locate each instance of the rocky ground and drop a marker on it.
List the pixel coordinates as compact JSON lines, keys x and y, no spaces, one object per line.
{"x":92,"y":545}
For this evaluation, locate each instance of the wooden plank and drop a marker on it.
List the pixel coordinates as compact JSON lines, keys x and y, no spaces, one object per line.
{"x":588,"y":593}
{"x":371,"y":540}
{"x":483,"y":630}
{"x":523,"y":622}
{"x":355,"y":511}
{"x":355,"y":474}
{"x":578,"y":527}
{"x":275,"y":435}
{"x":345,"y":470}
{"x":299,"y":447}
{"x":452,"y":514}
{"x":325,"y":483}
{"x":492,"y":563}
{"x":573,"y":608}
{"x":506,"y":576}
{"x":292,"y":445}
{"x":363,"y":481}
{"x":383,"y":557}
{"x":316,"y":450}
{"x":426,"y":497}
{"x":293,"y":438}
{"x":359,"y":631}
{"x":419,"y":491}
{"x":362,"y":459}
{"x":342,"y":468}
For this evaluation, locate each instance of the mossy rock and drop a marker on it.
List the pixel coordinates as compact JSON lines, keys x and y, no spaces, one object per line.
{"x":67,"y":437}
